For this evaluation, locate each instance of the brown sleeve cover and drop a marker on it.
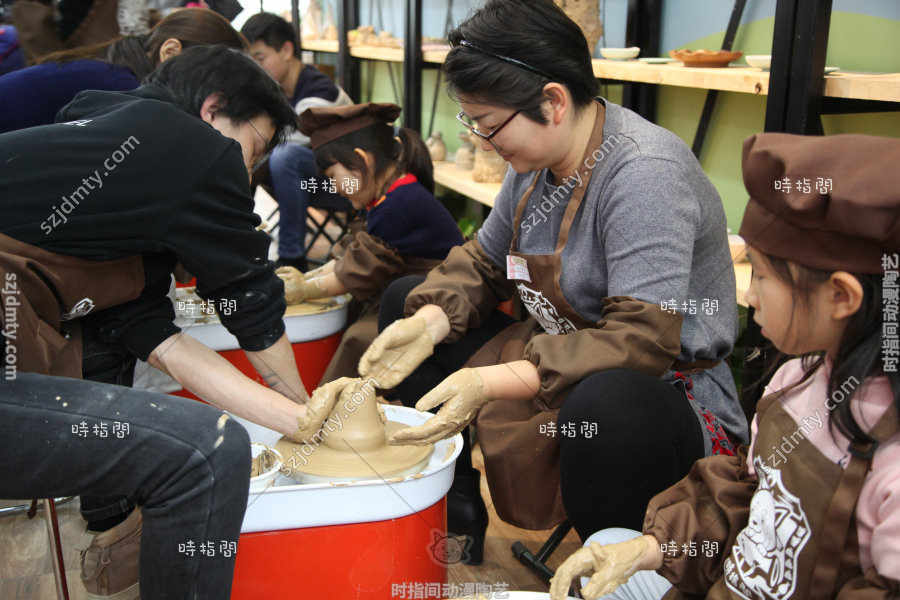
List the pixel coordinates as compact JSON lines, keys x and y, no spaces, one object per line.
{"x":467,"y":286}
{"x":631,"y":334}
{"x":340,"y":247}
{"x":367,"y":266}
{"x":711,"y":504}
{"x":869,"y":586}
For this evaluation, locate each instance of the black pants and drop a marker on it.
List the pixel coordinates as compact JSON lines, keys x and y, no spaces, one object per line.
{"x":179,"y":460}
{"x":104,"y":362}
{"x":636,"y":435}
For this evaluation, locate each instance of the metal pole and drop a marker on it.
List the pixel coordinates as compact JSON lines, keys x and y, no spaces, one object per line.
{"x":413,"y":64}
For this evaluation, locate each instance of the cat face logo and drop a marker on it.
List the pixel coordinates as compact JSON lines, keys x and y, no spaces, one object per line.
{"x":763,"y":561}
{"x":81,"y":308}
{"x":544,"y":312}
{"x":449,"y":550}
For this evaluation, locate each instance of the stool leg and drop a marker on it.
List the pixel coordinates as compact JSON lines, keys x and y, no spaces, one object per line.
{"x":59,"y":567}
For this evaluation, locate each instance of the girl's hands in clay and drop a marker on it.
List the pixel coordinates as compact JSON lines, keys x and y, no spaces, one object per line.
{"x":462,"y":395}
{"x":613,"y":565}
{"x":318,"y":408}
{"x":319,"y":272}
{"x":396,"y":352}
{"x":296,"y":288}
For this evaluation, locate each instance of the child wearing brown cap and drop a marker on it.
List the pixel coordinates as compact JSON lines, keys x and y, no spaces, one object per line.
{"x":408,"y":231}
{"x":812,"y":508}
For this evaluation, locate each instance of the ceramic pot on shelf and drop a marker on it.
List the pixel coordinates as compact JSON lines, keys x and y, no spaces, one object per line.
{"x":436,"y":147}
{"x":465,"y":156}
{"x":488,"y":166}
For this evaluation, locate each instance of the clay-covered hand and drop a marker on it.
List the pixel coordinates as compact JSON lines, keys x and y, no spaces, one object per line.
{"x":319,"y":408}
{"x":296,"y":287}
{"x":320,"y":271}
{"x":612,"y":564}
{"x":396,"y":352}
{"x":462,"y":395}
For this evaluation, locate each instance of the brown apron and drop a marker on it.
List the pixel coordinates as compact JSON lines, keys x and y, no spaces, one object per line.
{"x":43,"y":294}
{"x":801,"y":539}
{"x":364,"y":329}
{"x":522,"y":466}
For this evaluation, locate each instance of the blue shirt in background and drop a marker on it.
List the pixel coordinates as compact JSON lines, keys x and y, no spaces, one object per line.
{"x":414,"y":222}
{"x":32,"y":96}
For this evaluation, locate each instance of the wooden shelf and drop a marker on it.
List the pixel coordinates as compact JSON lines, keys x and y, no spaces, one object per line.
{"x":749,"y":80}
{"x":330,"y":46}
{"x":742,"y":274}
{"x":863,"y":86}
{"x":377,"y":53}
{"x":450,"y":176}
{"x":436,"y":56}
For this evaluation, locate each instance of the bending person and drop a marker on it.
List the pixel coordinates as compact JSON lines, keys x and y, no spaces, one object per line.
{"x":101,"y":207}
{"x":604,"y":224}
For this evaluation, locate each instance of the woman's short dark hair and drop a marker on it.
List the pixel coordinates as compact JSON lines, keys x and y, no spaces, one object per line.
{"x":272,"y":30}
{"x":536,"y":32}
{"x":246,"y":89}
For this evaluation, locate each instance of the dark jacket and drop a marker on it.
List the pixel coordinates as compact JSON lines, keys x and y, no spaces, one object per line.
{"x":129,"y":173}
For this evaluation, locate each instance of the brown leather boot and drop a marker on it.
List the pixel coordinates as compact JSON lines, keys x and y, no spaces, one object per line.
{"x":111,"y":564}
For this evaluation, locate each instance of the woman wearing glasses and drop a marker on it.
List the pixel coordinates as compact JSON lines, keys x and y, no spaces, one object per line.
{"x":610,"y":234}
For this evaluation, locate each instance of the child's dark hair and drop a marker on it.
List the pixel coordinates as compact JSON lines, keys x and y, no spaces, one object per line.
{"x":246,"y":89}
{"x":859,"y":351}
{"x":272,"y":30}
{"x":536,"y":32}
{"x":409,"y":155}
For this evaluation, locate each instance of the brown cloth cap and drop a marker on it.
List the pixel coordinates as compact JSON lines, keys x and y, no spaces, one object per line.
{"x":325,"y":124}
{"x":846,"y":228}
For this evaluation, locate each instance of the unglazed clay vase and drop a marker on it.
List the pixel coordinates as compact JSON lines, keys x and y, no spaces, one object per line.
{"x":587,"y":14}
{"x":352,"y":444}
{"x":465,"y":156}
{"x":311,"y":23}
{"x":488,"y":167}
{"x":330,"y":29}
{"x":436,"y":147}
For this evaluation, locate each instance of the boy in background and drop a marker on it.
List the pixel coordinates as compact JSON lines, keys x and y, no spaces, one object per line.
{"x":273,"y":44}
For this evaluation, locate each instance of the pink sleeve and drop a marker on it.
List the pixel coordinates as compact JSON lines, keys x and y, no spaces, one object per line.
{"x":878,"y":513}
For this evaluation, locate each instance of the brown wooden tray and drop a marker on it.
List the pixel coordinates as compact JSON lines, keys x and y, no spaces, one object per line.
{"x":705,"y":58}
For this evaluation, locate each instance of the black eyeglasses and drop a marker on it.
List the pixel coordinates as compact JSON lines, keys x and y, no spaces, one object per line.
{"x":488,"y":137}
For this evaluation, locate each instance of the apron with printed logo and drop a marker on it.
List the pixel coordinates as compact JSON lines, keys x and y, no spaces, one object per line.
{"x":801,"y":539}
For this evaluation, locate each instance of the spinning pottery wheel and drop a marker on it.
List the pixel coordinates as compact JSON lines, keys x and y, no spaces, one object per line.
{"x":352,"y":444}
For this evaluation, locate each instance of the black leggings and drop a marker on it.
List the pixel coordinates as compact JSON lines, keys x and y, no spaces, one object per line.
{"x":636,"y":435}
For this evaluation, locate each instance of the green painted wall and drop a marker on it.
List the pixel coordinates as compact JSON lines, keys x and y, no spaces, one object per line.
{"x":856,"y":42}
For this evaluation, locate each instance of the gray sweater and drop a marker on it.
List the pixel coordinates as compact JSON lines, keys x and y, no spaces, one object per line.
{"x":652,"y":227}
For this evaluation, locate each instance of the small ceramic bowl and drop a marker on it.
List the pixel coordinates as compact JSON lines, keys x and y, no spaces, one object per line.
{"x":620,"y":53}
{"x":266,"y":479}
{"x":760,"y":61}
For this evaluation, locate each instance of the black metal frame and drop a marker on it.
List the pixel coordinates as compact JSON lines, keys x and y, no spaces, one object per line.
{"x":537,"y":562}
{"x":348,"y":71}
{"x":737,"y":12}
{"x":413,"y":64}
{"x":642,"y":29}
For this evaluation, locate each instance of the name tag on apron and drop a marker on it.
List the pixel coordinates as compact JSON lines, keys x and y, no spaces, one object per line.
{"x":517,"y":268}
